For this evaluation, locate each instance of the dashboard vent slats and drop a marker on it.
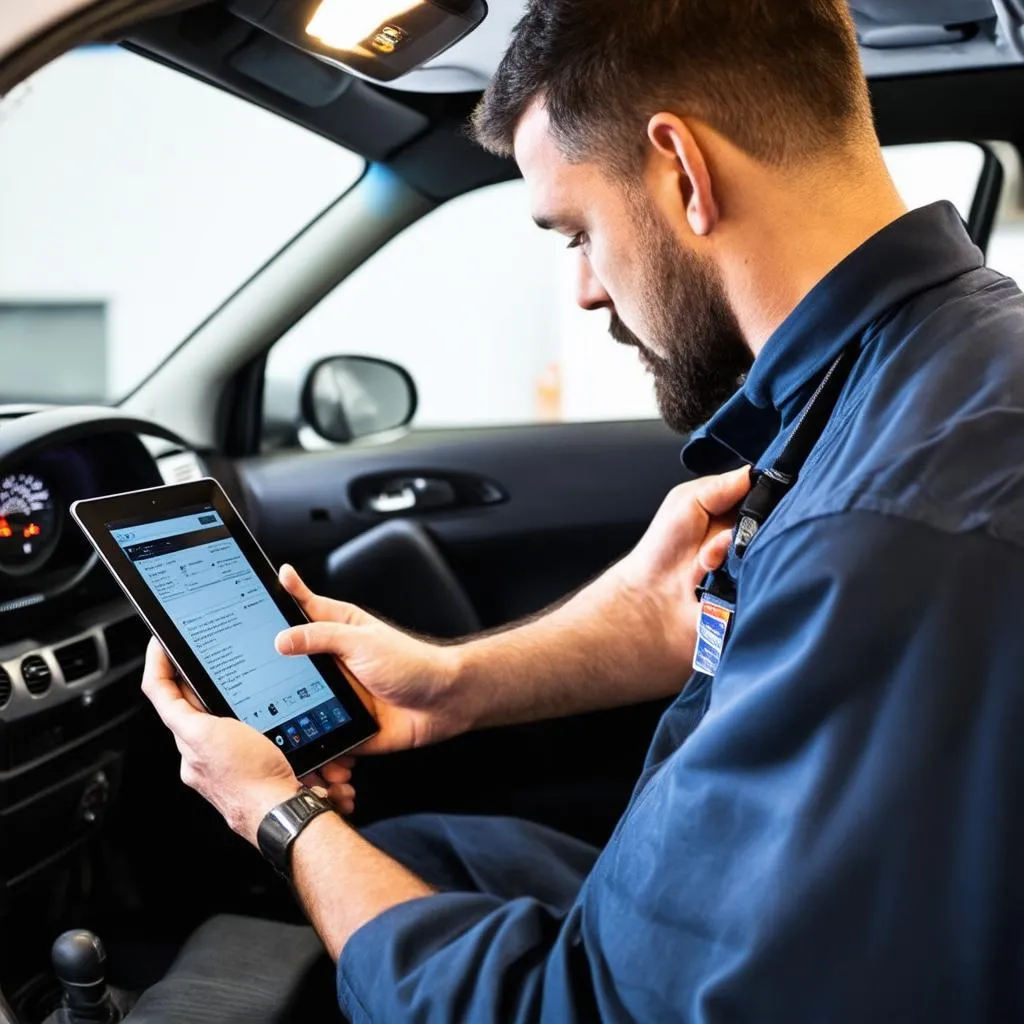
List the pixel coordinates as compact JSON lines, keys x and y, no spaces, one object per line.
{"x":5,"y":688}
{"x":36,"y":674}
{"x":78,"y":660}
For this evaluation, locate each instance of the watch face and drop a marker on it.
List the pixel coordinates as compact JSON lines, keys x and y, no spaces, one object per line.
{"x":306,"y":803}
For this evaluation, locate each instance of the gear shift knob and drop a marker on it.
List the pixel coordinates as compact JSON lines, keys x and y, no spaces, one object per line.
{"x":80,"y":962}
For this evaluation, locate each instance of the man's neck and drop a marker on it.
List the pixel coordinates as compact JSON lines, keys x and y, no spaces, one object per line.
{"x":796,"y":237}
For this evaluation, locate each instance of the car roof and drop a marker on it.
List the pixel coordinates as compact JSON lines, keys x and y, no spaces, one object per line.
{"x":940,"y":70}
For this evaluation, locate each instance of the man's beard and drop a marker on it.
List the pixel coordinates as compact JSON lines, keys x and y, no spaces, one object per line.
{"x":687,"y":310}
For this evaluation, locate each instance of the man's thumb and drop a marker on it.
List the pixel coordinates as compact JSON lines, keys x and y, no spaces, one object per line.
{"x":718,"y":495}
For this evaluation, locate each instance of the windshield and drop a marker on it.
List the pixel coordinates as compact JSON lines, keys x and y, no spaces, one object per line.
{"x":133,"y":201}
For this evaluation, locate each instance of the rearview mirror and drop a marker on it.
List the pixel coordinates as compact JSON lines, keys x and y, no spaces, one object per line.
{"x":349,"y":397}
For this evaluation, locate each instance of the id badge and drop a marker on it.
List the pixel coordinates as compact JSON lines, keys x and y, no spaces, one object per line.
{"x":713,"y":628}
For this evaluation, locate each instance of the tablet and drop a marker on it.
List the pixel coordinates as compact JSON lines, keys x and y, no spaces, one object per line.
{"x":196,"y":575}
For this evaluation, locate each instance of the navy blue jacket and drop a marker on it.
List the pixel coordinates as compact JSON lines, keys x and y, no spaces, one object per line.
{"x":833,"y":828}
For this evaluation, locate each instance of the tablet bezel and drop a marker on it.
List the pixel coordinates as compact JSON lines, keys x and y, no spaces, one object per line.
{"x":97,"y":516}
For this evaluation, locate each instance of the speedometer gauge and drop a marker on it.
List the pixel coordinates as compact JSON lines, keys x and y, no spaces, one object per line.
{"x":29,"y":523}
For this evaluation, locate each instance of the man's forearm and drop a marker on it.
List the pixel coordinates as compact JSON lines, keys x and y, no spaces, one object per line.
{"x":615,"y":643}
{"x":344,"y":882}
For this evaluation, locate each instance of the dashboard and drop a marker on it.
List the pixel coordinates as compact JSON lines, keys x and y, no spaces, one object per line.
{"x":71,"y":647}
{"x":51,"y":583}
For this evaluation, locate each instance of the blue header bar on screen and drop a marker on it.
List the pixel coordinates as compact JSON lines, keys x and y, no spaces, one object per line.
{"x":130,"y":535}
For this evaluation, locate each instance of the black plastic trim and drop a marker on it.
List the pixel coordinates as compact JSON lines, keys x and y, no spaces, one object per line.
{"x":399,"y":572}
{"x":368,"y":121}
{"x":985,"y":208}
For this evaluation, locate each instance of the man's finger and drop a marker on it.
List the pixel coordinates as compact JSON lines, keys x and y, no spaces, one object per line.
{"x":164,"y":693}
{"x":296,"y":586}
{"x":714,"y":552}
{"x":316,"y":607}
{"x":313,"y":638}
{"x":718,"y":495}
{"x":157,"y":662}
{"x":339,"y":770}
{"x":189,"y":694}
{"x":343,"y":798}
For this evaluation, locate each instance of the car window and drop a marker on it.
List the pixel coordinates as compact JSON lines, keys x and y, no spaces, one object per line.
{"x":133,"y":201}
{"x":478,"y":305}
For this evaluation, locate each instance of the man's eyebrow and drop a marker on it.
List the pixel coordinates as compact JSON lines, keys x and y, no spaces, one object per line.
{"x":554,"y":224}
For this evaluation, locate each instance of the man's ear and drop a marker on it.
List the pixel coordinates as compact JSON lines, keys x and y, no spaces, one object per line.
{"x":675,"y":143}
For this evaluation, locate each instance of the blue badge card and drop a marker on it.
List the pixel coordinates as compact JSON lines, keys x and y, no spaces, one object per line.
{"x":712,"y":632}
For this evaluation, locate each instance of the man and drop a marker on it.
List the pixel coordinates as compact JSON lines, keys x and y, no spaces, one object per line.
{"x":828,"y":828}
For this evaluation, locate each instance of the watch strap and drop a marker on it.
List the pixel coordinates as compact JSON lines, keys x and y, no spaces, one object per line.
{"x":283,"y":825}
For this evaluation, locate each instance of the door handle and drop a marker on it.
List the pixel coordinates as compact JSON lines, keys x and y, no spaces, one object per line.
{"x":410,"y":494}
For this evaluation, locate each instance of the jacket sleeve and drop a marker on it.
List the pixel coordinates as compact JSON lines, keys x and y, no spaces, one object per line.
{"x":465,"y":957}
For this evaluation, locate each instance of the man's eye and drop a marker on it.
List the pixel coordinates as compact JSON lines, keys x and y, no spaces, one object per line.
{"x":578,"y":240}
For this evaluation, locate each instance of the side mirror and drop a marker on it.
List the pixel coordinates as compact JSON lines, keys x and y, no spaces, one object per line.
{"x":349,"y":397}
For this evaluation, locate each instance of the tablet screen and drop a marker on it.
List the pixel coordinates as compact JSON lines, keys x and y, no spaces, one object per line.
{"x":203,"y":581}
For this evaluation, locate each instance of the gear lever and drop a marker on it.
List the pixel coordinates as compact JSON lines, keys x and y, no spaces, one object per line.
{"x":80,"y":962}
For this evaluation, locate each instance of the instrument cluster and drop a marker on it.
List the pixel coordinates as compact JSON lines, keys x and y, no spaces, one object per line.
{"x":30,"y":523}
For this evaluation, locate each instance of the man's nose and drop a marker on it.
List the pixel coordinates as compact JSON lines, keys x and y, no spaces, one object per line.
{"x":590,"y":293}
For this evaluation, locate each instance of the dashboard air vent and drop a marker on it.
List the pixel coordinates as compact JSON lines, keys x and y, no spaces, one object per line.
{"x":5,"y":688}
{"x":36,"y":674}
{"x":78,"y":660}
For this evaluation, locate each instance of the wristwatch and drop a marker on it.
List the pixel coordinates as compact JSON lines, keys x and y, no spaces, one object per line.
{"x":283,"y":825}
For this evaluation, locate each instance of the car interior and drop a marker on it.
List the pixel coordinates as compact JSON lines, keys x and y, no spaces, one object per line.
{"x":445,"y":531}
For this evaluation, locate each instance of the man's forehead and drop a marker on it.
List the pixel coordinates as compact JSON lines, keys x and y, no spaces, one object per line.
{"x":553,"y":183}
{"x":533,"y":142}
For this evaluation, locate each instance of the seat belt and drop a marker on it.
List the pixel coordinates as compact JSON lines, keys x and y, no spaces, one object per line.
{"x":717,"y":594}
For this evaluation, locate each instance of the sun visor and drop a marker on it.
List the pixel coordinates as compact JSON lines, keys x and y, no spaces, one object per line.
{"x":379,"y":40}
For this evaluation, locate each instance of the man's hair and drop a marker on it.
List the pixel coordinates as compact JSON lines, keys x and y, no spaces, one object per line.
{"x":779,"y":78}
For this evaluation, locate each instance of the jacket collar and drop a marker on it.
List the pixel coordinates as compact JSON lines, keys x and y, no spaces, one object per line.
{"x":921,"y":250}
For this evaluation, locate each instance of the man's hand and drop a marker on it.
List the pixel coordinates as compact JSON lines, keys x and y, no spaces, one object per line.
{"x":688,"y":538}
{"x":408,"y":684}
{"x":230,"y":764}
{"x":244,"y":776}
{"x":627,"y":638}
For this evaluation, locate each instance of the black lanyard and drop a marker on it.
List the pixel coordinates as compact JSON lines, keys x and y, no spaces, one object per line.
{"x":770,"y":486}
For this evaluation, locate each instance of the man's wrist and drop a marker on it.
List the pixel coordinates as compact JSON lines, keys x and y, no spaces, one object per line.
{"x":462,"y":697}
{"x":629,"y":576}
{"x":262,"y":800}
{"x":659,"y":614}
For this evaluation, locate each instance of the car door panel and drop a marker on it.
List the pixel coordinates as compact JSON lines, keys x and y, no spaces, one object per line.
{"x":556,"y":477}
{"x":576,"y":497}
